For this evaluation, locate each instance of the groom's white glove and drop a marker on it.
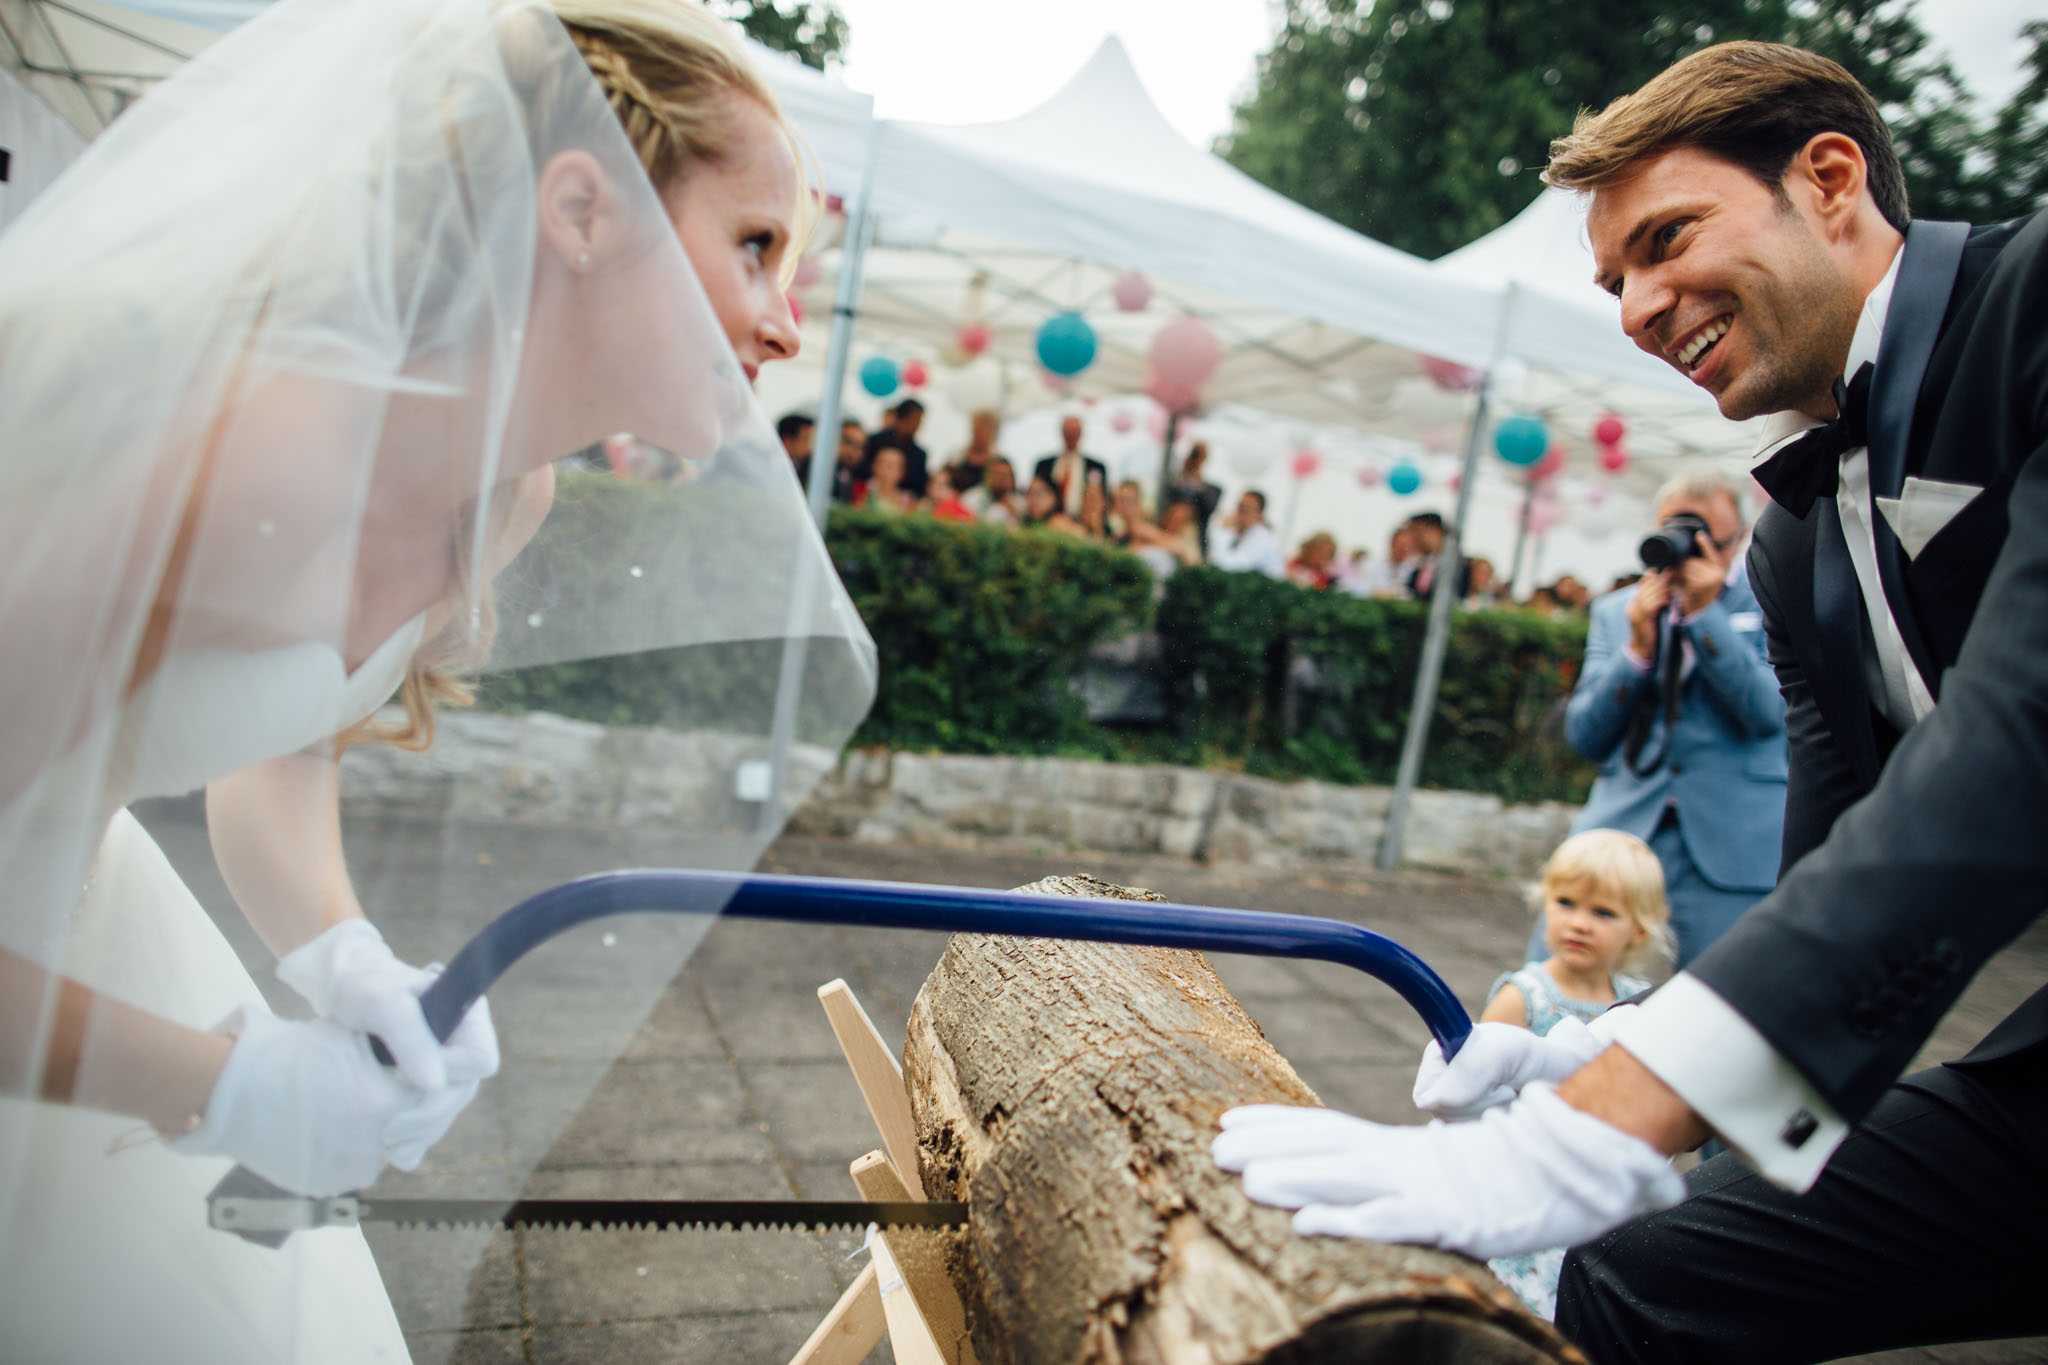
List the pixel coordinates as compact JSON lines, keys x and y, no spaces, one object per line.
{"x":1497,"y":1060}
{"x":305,"y":1105}
{"x":350,"y":975}
{"x":1526,"y":1176}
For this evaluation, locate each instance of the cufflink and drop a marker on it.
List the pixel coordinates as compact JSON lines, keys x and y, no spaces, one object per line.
{"x":1801,"y":1126}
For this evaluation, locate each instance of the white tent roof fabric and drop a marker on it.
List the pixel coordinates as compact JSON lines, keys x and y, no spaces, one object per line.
{"x":1008,"y":222}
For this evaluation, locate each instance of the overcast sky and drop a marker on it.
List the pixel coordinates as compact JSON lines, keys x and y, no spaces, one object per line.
{"x":968,"y":61}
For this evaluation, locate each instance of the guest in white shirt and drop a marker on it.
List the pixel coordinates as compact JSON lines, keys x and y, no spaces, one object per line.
{"x":1244,"y":542}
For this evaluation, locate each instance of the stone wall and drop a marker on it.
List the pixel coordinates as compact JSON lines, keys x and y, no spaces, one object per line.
{"x":542,"y":767}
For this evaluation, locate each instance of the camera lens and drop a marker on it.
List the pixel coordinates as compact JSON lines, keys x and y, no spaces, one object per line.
{"x":1672,"y":543}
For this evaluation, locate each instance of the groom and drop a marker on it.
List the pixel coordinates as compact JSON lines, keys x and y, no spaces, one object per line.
{"x":1749,"y":211}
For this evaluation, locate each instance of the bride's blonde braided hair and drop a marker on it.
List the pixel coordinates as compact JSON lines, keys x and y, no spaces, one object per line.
{"x":668,"y":70}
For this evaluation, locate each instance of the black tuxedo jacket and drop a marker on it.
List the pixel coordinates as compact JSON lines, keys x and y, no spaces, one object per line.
{"x":1910,"y":860}
{"x":1091,"y":468}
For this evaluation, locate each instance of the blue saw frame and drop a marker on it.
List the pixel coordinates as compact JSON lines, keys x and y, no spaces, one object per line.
{"x":950,"y":909}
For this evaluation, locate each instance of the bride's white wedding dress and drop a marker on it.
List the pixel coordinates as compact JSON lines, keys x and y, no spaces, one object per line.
{"x":107,"y":1256}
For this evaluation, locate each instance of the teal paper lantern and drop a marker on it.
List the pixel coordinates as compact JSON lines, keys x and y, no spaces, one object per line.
{"x":1066,"y":344}
{"x":1404,"y":478}
{"x":1521,"y":440}
{"x":878,"y":376}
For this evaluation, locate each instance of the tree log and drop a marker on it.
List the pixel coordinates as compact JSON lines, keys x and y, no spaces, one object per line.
{"x":1068,"y":1094}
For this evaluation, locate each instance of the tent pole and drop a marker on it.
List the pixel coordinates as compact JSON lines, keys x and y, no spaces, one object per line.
{"x":853,"y":258}
{"x":1522,"y":535}
{"x":824,"y":466}
{"x":1166,"y":465}
{"x":1450,"y":568}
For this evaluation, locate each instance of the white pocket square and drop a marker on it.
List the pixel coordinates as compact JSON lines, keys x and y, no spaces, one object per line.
{"x":1922,"y":508}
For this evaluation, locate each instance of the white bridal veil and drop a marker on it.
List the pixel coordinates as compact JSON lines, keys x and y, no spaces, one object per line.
{"x":293,"y":382}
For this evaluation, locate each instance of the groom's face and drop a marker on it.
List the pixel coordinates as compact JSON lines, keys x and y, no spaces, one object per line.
{"x":1725,"y":280}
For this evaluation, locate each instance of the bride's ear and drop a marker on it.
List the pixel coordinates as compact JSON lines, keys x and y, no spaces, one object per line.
{"x":579,"y":209}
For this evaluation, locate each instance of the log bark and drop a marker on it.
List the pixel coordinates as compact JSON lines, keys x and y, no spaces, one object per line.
{"x":1068,"y":1093}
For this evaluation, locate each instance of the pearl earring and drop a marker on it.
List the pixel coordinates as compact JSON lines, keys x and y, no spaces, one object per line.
{"x":583,"y":261}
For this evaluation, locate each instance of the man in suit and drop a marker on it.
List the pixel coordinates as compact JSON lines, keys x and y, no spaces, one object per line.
{"x":1677,"y":704}
{"x":1428,"y":532}
{"x":1069,"y":471}
{"x":1749,"y":210}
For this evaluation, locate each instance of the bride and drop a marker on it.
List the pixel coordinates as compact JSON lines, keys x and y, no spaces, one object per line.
{"x":285,"y":363}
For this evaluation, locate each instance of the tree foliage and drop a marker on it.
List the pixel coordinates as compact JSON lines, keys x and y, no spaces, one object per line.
{"x":813,"y":30}
{"x":1424,"y":123}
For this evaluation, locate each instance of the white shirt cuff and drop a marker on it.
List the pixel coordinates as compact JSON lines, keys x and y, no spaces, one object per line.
{"x":1753,"y":1099}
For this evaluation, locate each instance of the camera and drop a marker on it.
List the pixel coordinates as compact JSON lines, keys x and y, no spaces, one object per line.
{"x":1674,"y":542}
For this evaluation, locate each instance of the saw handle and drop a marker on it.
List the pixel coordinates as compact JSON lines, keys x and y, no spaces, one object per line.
{"x":950,"y":909}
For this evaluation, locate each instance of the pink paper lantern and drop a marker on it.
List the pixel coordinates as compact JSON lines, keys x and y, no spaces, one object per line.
{"x":796,"y":309}
{"x":1304,"y":463}
{"x":1457,"y":482}
{"x":1547,"y":467}
{"x":1595,"y":495}
{"x":1369,"y":475}
{"x":807,"y":273}
{"x":1056,"y":382}
{"x":1450,"y":376}
{"x":1441,"y":441}
{"x":1120,"y":421}
{"x":1131,"y":291}
{"x":1543,"y":515}
{"x":915,"y":375}
{"x":1173,"y":397}
{"x":1184,"y":353}
{"x":1613,"y":459}
{"x":1609,"y":430}
{"x":1155,"y":424}
{"x":972,"y":338}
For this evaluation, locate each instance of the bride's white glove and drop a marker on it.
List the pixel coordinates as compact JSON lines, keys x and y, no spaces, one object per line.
{"x":350,"y":975}
{"x":305,"y":1105}
{"x":1526,"y":1176}
{"x":1497,"y":1060}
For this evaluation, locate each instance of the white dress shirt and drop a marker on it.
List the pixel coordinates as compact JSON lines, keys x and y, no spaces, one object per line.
{"x":1255,"y":549}
{"x":1692,"y":1039}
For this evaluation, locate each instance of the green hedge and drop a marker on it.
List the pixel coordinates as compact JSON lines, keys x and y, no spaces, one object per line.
{"x":981,"y":632}
{"x":981,"y":629}
{"x":1290,"y":682}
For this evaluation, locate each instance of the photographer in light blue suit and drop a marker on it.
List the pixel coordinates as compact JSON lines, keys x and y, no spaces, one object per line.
{"x":1678,"y":705}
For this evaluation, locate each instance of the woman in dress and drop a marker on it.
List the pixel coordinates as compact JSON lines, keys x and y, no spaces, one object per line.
{"x":285,"y":362}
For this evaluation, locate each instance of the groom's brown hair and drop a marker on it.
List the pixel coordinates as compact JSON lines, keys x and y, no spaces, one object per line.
{"x":1752,"y":104}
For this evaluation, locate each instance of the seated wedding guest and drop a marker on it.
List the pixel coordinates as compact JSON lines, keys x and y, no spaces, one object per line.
{"x":1127,"y":511}
{"x":1545,"y":600}
{"x":995,"y":499}
{"x":884,"y":490}
{"x":1481,"y":590}
{"x":1042,"y":509}
{"x":899,"y":432}
{"x":1244,"y":543}
{"x":970,"y":466}
{"x":1388,"y":577}
{"x":941,"y":501}
{"x":1094,"y":513}
{"x":853,"y":439}
{"x":1313,"y":564}
{"x":1571,"y":593}
{"x":1190,"y":487}
{"x":797,"y":433}
{"x":1070,"y":471}
{"x":1172,"y":543}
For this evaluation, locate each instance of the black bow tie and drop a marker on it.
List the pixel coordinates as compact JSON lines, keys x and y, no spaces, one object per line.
{"x":1810,"y":464}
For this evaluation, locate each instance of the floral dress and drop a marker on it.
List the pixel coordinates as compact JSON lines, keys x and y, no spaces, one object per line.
{"x":1533,"y":1274}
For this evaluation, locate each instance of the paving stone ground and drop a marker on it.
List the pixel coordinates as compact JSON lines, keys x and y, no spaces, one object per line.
{"x":727,"y":1082}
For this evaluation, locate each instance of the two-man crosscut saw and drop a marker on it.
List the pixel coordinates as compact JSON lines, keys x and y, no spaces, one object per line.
{"x":247,"y":1204}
